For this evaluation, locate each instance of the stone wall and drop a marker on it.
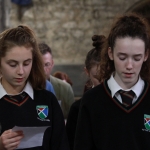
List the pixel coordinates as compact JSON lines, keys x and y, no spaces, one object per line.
{"x":68,"y":25}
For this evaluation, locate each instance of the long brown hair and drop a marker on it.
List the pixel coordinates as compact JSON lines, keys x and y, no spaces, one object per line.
{"x":24,"y":36}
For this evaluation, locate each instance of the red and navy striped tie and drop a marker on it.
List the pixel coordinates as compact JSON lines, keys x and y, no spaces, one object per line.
{"x":127,"y":97}
{"x":17,"y":99}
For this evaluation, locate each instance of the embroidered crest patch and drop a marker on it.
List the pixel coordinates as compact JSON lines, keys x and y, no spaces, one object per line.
{"x":42,"y":111}
{"x":147,"y":121}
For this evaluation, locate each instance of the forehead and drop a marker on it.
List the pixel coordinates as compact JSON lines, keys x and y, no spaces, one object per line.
{"x":47,"y":57}
{"x":129,"y":45}
{"x":19,"y":53}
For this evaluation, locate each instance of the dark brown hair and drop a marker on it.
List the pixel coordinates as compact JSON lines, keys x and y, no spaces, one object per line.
{"x":62,"y":76}
{"x":127,"y":25}
{"x":24,"y":36}
{"x":93,"y":56}
{"x":44,"y":48}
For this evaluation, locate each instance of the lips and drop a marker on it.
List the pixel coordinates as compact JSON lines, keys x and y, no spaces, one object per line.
{"x":19,"y":79}
{"x":128,"y":75}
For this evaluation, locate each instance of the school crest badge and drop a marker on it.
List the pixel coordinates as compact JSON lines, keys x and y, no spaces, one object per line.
{"x":147,"y":121}
{"x":42,"y":111}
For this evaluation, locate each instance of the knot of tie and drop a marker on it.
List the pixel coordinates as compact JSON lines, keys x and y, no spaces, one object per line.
{"x":127,"y":97}
{"x":16,"y":98}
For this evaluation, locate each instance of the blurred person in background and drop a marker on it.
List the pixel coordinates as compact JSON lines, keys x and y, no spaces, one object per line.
{"x":63,"y":90}
{"x":91,"y":68}
{"x":49,"y":87}
{"x":63,"y":76}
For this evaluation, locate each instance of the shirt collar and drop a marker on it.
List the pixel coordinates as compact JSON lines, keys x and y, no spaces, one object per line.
{"x":28,"y":89}
{"x":114,"y":87}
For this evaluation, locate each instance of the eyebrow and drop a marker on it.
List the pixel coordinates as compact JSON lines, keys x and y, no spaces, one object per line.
{"x":126,"y":54}
{"x":11,"y":60}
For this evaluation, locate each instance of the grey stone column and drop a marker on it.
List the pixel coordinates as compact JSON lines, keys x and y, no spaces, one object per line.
{"x":2,"y":22}
{"x":4,"y":14}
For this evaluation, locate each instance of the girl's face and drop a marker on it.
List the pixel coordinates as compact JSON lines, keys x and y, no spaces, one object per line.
{"x":15,"y":68}
{"x":128,"y":56}
{"x":92,"y":73}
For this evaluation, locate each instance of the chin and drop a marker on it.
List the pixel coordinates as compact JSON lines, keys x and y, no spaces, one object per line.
{"x":130,"y":81}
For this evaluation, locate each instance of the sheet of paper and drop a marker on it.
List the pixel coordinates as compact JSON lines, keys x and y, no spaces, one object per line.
{"x":33,"y":136}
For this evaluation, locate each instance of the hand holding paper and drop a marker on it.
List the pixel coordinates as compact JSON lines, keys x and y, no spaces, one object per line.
{"x":33,"y":136}
{"x":10,"y":139}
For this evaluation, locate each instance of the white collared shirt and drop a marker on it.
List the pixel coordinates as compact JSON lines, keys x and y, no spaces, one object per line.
{"x":114,"y":88}
{"x":28,"y":89}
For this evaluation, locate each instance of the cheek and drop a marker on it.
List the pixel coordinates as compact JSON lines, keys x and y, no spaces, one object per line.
{"x":6,"y":71}
{"x":27,"y":69}
{"x":46,"y":69}
{"x":138,"y":66}
{"x":7,"y":75}
{"x":93,"y":71}
{"x":117,"y":64}
{"x":49,"y":69}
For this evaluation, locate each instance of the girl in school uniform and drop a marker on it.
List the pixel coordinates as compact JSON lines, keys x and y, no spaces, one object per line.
{"x":24,"y":102}
{"x":116,"y":114}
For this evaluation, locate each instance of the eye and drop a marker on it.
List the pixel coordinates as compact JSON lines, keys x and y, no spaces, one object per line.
{"x":47,"y":64}
{"x":137,"y":58}
{"x":122,"y":57}
{"x":26,"y":63}
{"x":12,"y":64}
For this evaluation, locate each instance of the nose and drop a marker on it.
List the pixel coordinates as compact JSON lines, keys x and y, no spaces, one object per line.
{"x":129,"y":64}
{"x":20,"y":70}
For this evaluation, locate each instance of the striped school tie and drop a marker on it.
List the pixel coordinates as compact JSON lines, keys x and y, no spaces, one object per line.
{"x":127,"y":97}
{"x":17,"y":99}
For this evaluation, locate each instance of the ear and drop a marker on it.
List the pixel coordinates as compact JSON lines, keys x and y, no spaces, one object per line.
{"x":110,"y":53}
{"x":146,"y":55}
{"x":86,"y":71}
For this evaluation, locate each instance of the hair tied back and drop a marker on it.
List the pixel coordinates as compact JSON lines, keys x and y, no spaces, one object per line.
{"x":20,"y":26}
{"x":98,"y":41}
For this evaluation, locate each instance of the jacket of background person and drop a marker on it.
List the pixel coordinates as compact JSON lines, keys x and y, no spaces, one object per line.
{"x":64,"y":94}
